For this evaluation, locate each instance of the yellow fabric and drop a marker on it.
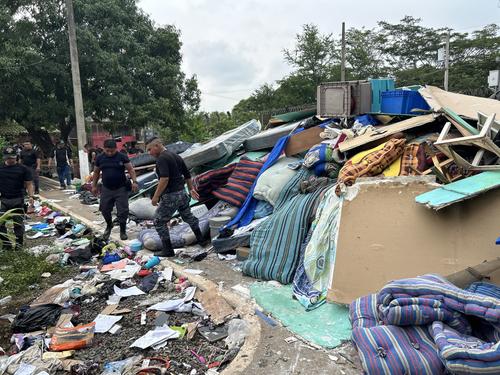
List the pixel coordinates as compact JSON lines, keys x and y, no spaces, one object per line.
{"x":394,"y":169}
{"x":359,"y":156}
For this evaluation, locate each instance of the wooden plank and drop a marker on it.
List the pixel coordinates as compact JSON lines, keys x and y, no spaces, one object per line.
{"x":460,"y":190}
{"x":374,"y":135}
{"x":215,"y":305}
{"x":303,"y":141}
{"x":460,"y":122}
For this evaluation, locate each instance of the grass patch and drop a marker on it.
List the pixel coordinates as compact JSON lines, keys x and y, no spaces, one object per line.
{"x":20,"y":270}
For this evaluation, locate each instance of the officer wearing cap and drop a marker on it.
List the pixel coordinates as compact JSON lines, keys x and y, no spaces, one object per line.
{"x":16,"y":178}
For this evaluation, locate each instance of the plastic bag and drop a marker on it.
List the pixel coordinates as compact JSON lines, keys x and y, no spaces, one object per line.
{"x":72,"y":338}
{"x":120,"y":367}
{"x":236,"y":333}
{"x":36,"y":318}
{"x":142,"y":209}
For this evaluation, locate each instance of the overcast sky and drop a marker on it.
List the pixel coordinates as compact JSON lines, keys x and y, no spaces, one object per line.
{"x":234,"y":46}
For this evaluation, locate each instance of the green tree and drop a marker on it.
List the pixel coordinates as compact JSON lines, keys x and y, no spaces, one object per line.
{"x":130,"y":69}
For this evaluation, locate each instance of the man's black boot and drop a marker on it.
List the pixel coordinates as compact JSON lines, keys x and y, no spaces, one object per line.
{"x":123,"y":231}
{"x":107,"y":231}
{"x":200,"y":239}
{"x":167,"y":250}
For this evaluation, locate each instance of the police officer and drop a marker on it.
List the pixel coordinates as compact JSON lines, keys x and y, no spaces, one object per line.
{"x":115,"y":186}
{"x":31,"y":159}
{"x":170,"y":195}
{"x":16,"y":178}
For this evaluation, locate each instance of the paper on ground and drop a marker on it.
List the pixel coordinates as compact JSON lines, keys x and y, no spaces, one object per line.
{"x":167,"y":273}
{"x":189,"y":293}
{"x":155,"y":337}
{"x":127,"y":273}
{"x":133,"y":291}
{"x":170,"y":305}
{"x":103,"y":323}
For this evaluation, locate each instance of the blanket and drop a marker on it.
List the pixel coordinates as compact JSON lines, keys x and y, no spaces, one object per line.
{"x":461,"y":327}
{"x":275,"y":244}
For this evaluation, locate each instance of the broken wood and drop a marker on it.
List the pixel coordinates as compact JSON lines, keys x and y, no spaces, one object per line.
{"x":385,"y":131}
{"x":480,"y":272}
{"x":215,"y":305}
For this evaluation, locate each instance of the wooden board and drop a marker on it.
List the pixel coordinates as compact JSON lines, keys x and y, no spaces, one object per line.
{"x":464,"y":105}
{"x":372,"y":135}
{"x":460,"y":190}
{"x":215,"y":305}
{"x":303,"y":141}
{"x":385,"y":235}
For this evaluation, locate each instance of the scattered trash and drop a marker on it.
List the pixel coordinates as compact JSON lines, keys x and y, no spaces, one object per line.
{"x":46,"y":275}
{"x":237,"y":331}
{"x":193,"y":271}
{"x":291,"y":340}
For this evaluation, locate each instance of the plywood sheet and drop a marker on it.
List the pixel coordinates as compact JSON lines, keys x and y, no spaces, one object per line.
{"x":385,"y":235}
{"x":303,"y":141}
{"x":460,"y":190}
{"x":373,"y":135}
{"x":464,"y":105}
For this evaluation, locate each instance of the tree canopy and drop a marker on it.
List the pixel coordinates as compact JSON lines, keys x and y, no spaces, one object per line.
{"x":130,"y":68}
{"x":406,"y":51}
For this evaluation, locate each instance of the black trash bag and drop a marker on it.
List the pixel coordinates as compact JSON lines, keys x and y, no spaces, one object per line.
{"x":80,"y":255}
{"x":34,"y":318}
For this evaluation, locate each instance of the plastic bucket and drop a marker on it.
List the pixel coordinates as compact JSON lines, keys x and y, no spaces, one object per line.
{"x":216,"y":223}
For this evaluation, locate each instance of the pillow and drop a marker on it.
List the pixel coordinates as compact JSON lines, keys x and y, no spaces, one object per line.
{"x":239,"y":184}
{"x":272,"y":181}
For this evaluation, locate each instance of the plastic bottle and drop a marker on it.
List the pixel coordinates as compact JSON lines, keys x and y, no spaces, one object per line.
{"x":154,"y":261}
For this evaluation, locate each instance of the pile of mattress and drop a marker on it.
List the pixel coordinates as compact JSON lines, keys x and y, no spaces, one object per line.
{"x":221,"y":146}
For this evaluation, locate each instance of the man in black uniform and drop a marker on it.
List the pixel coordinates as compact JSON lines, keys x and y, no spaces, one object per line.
{"x":31,"y":159}
{"x":115,"y":186}
{"x":16,"y":178}
{"x":170,"y":195}
{"x":62,"y":156}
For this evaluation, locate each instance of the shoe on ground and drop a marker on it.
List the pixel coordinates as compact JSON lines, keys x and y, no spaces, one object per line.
{"x":63,"y":187}
{"x":107,"y":233}
{"x":123,"y":236}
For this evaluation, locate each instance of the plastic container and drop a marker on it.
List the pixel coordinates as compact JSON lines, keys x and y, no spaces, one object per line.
{"x":216,"y":223}
{"x":379,"y":86}
{"x":154,"y":261}
{"x":402,"y":102}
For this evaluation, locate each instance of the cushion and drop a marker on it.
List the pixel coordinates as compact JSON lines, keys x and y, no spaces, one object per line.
{"x":240,"y":182}
{"x":271,"y":182}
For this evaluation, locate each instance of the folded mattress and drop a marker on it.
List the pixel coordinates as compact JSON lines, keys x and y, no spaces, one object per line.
{"x":221,"y":146}
{"x":268,"y":138}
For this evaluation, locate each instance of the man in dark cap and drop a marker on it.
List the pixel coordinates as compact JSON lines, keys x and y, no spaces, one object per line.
{"x":16,"y":178}
{"x":31,"y":158}
{"x":170,"y":195}
{"x":115,"y":186}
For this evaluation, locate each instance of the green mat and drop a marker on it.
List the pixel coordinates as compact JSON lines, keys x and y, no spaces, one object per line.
{"x":327,"y":326}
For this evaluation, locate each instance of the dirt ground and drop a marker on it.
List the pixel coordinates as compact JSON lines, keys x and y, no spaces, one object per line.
{"x":273,"y":355}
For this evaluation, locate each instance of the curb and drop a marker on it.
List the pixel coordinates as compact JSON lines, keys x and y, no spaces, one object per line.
{"x":244,"y":308}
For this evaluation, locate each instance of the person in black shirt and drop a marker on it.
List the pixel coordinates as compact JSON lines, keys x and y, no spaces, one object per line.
{"x":62,"y":157}
{"x":170,"y":195}
{"x":91,"y":155}
{"x":31,"y":159}
{"x":16,"y":178}
{"x":133,"y":149}
{"x":115,"y":186}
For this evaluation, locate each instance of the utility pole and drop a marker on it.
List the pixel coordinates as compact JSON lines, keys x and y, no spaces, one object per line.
{"x":447,"y":60}
{"x":342,"y":62}
{"x":77,"y":92}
